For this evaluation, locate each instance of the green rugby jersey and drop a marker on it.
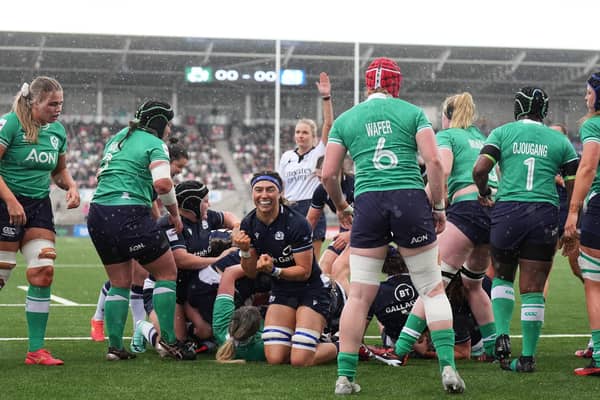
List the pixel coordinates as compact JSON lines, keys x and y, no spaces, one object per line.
{"x":465,"y":145}
{"x":380,"y":134}
{"x":124,"y":176}
{"x":531,"y":156}
{"x":590,"y":132}
{"x":222,"y":313}
{"x":26,"y":167}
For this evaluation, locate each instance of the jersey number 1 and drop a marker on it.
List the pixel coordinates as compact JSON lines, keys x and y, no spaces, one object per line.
{"x":530,"y":162}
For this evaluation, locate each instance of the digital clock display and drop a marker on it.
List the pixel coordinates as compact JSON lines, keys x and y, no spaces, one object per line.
{"x":289,"y":77}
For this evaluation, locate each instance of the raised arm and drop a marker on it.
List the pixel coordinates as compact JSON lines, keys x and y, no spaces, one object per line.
{"x":324,"y":87}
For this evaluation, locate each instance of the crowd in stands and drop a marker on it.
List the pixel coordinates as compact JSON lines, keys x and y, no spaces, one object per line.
{"x":86,"y":143}
{"x":252,"y":147}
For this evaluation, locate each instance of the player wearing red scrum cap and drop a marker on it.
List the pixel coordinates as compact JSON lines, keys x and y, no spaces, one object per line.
{"x":383,"y":135}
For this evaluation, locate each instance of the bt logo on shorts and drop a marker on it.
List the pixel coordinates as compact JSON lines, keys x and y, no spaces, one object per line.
{"x":418,"y":239}
{"x":9,"y":231}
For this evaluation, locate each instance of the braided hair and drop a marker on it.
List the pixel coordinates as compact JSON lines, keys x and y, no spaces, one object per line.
{"x":531,"y":102}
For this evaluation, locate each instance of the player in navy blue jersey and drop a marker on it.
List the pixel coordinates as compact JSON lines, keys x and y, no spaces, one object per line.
{"x":276,"y":240}
{"x":190,"y":249}
{"x":395,"y":299}
{"x":335,"y":258}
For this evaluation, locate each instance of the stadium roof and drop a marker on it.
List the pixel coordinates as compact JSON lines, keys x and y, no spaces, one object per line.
{"x":89,"y":60}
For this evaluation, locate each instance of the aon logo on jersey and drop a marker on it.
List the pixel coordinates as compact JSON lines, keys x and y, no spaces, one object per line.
{"x":42,"y":157}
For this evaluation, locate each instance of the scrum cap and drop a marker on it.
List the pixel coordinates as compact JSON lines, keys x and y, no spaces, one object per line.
{"x":153,"y":116}
{"x":189,"y":195}
{"x":384,"y":73}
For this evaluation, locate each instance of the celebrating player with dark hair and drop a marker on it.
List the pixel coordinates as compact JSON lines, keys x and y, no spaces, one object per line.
{"x":277,"y":240}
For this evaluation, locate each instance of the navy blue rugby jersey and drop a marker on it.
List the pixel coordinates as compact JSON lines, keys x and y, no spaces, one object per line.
{"x":195,"y":236}
{"x":394,"y":301}
{"x":290,"y":233}
{"x":320,"y":196}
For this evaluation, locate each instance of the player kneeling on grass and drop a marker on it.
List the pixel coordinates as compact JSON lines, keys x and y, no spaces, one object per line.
{"x":277,"y":240}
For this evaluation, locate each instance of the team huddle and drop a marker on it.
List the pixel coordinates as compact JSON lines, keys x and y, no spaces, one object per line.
{"x":448,"y":218}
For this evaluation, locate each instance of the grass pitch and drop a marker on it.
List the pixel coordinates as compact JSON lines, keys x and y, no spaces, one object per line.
{"x":85,"y":375}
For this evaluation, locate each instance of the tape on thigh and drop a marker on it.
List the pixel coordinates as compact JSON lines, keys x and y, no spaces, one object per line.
{"x":590,"y":266}
{"x":280,"y":335}
{"x":448,"y":272}
{"x":471,"y":275}
{"x":305,"y":339}
{"x":365,"y":269}
{"x":8,"y":260}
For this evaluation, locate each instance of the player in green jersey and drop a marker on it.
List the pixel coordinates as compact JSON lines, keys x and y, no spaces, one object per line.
{"x":120,"y":222}
{"x":179,"y":158}
{"x":464,"y":244}
{"x":33,"y":147}
{"x":587,"y":188}
{"x":524,"y":229}
{"x":383,"y":136}
{"x":237,"y":332}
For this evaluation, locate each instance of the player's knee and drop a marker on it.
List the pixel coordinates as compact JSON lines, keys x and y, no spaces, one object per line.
{"x":304,"y":347}
{"x":40,"y":276}
{"x":448,"y":273}
{"x":424,"y":271}
{"x":505,"y":263}
{"x":437,"y":308}
{"x":39,"y":255}
{"x":8,"y":260}
{"x":590,"y":266}
{"x":471,"y":279}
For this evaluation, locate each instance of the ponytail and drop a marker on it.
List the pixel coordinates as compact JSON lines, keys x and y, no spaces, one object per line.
{"x":226,"y":353}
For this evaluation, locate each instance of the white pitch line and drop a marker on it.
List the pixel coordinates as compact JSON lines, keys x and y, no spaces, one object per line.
{"x":55,"y":298}
{"x":52,"y":305}
{"x":77,"y":338}
{"x":87,"y":338}
{"x":550,"y":336}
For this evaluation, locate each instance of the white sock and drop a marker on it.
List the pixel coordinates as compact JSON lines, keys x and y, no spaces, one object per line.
{"x":148,"y":331}
{"x":136,"y":303}
{"x":99,"y":314}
